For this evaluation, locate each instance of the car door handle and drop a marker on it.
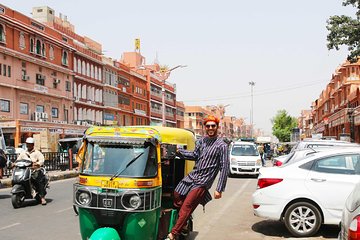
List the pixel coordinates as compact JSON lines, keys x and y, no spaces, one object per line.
{"x":318,"y":179}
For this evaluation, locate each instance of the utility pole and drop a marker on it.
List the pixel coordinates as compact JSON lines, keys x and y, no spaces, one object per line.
{"x":252,"y":84}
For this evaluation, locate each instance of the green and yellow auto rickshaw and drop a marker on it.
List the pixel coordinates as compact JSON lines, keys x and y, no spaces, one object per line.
{"x":126,"y":182}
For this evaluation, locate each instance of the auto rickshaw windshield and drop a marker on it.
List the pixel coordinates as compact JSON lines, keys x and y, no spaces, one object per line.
{"x":123,"y":160}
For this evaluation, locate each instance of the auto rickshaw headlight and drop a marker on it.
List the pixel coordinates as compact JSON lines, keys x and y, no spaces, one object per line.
{"x":84,"y":198}
{"x":135,"y":201}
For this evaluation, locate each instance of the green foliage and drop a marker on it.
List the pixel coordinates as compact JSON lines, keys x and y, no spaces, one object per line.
{"x":344,"y":30}
{"x":283,"y":125}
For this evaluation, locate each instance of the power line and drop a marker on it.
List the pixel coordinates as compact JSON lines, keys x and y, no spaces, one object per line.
{"x":259,"y":93}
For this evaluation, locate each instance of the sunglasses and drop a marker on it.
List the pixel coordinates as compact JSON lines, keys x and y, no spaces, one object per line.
{"x":210,"y":125}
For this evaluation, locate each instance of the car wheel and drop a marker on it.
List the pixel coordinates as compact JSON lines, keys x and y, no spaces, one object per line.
{"x":302,"y":219}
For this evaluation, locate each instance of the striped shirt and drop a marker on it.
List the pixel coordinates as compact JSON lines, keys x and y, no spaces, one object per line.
{"x":211,"y":156}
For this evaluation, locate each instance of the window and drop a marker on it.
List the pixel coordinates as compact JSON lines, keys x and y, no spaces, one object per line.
{"x":9,"y":71}
{"x":2,"y":34}
{"x":68,"y":86}
{"x":40,"y":79}
{"x":340,"y":164}
{"x":22,"y":41}
{"x":4,"y":70}
{"x":64,"y":59}
{"x":32,"y":45}
{"x":24,"y":108}
{"x":38,"y":47}
{"x":4,"y":105}
{"x":40,"y":108}
{"x":51,"y":53}
{"x":55,"y":112}
{"x":124,"y":100}
{"x":43,"y":50}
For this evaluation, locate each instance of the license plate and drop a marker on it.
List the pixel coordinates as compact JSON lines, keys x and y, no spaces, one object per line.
{"x":109,"y":184}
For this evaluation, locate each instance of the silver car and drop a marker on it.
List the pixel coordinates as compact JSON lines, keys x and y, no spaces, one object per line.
{"x":350,"y":221}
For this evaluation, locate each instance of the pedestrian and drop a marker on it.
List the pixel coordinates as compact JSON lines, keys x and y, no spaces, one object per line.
{"x":211,"y":157}
{"x":38,"y":176}
{"x":261,"y":152}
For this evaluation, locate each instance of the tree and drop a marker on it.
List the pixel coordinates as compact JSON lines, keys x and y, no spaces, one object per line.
{"x":345,"y":30}
{"x":283,"y":125}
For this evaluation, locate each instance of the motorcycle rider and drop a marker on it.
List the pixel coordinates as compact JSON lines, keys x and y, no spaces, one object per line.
{"x":38,"y":176}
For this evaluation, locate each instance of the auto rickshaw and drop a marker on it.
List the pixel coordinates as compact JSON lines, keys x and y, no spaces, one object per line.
{"x":126,"y":181}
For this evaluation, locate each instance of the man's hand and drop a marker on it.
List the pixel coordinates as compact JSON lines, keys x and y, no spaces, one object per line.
{"x":217,"y":195}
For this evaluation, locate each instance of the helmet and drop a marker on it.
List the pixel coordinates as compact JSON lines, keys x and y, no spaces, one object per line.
{"x":30,"y":140}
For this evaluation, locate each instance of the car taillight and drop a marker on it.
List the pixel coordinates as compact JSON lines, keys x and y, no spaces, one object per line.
{"x":255,"y":206}
{"x":265,"y":182}
{"x":278,"y":163}
{"x":354,"y":229}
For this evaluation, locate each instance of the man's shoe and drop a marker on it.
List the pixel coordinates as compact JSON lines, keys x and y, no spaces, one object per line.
{"x":43,"y":201}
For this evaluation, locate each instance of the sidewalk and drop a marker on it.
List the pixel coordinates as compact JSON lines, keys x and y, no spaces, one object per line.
{"x":54,"y":176}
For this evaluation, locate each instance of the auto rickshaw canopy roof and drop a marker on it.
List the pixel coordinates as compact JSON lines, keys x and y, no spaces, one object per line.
{"x":165,"y":135}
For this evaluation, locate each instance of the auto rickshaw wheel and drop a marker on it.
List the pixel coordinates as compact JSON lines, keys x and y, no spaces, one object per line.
{"x":17,"y":200}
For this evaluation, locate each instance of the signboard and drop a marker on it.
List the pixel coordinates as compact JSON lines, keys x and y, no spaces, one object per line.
{"x":140,"y":112}
{"x":109,"y":116}
{"x":8,"y":124}
{"x":32,"y":129}
{"x":74,"y":131}
{"x":56,"y":130}
{"x":40,"y":88}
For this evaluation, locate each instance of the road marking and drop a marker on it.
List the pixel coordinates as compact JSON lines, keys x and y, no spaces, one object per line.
{"x":216,"y":219}
{"x":63,"y":210}
{"x":9,"y":226}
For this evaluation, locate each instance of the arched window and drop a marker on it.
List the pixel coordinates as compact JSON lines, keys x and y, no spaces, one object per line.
{"x":22,"y":41}
{"x":83,"y":65}
{"x":92,"y":71}
{"x":88,"y":69}
{"x":79,"y":66}
{"x":38,"y":47}
{"x":64,"y":58}
{"x":75,"y":89}
{"x":75,"y":62}
{"x":83,"y":92}
{"x":51,"y":53}
{"x":96,"y":73}
{"x":100,"y":76}
{"x":79,"y":91}
{"x":31,"y":45}
{"x":2,"y":34}
{"x":43,"y":50}
{"x":75,"y":114}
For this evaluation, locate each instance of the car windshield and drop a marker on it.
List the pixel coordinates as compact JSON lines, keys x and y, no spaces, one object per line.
{"x":110,"y":159}
{"x":244,"y":150}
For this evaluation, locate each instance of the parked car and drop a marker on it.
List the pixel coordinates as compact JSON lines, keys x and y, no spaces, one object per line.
{"x":244,"y":158}
{"x":350,"y":221}
{"x":309,"y":192}
{"x":313,"y":144}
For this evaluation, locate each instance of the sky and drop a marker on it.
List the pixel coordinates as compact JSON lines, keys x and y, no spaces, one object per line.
{"x":280,"y":45}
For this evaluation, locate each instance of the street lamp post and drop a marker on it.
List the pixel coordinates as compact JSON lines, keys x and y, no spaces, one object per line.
{"x":252,"y":84}
{"x":165,"y":76}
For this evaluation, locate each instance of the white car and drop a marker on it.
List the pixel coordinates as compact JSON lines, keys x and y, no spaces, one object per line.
{"x":312,"y":144}
{"x":309,"y":192}
{"x":350,"y":221}
{"x":244,"y":159}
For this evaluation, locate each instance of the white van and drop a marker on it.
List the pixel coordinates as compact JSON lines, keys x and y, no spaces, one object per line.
{"x":244,"y":159}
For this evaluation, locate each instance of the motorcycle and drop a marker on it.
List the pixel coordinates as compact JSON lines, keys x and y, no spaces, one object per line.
{"x":22,"y":187}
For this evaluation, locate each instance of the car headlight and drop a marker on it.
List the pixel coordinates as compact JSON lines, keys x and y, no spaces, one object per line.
{"x":233,"y":161}
{"x":135,"y":201}
{"x":258,"y":162}
{"x":83,"y":198}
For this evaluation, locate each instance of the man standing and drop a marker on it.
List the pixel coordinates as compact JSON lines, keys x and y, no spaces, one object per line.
{"x":38,"y":176}
{"x":211,"y":156}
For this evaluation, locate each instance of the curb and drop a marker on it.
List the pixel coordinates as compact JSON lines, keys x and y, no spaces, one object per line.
{"x":6,"y":183}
